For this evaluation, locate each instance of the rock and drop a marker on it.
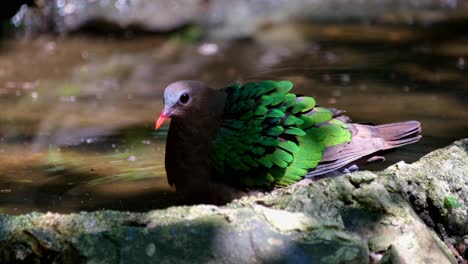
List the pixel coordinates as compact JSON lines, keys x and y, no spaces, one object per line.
{"x":71,"y":15}
{"x":434,"y":182}
{"x":185,"y":234}
{"x":244,"y":18}
{"x":221,"y":18}
{"x":350,"y":219}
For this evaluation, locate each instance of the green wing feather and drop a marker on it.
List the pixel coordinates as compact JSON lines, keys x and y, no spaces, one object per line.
{"x":270,"y":137}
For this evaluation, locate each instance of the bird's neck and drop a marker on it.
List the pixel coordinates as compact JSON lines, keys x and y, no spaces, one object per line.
{"x":200,"y":125}
{"x":189,"y":143}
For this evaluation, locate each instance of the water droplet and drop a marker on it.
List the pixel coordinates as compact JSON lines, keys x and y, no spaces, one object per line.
{"x":34,"y":95}
{"x":132,"y":158}
{"x":208,"y":49}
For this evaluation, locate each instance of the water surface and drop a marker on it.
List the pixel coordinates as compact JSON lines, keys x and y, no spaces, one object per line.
{"x":76,"y":127}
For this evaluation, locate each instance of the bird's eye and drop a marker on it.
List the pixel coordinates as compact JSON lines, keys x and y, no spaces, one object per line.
{"x":184,"y":98}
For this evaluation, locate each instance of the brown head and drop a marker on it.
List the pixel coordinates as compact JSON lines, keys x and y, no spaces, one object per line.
{"x":181,"y":99}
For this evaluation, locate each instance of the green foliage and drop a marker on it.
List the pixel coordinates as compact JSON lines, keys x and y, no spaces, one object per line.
{"x":271,"y":137}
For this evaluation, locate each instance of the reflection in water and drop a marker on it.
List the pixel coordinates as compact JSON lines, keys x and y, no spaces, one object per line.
{"x":76,"y":129}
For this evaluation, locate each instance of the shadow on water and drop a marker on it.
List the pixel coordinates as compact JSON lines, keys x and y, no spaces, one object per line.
{"x":90,"y":175}
{"x":61,"y":189}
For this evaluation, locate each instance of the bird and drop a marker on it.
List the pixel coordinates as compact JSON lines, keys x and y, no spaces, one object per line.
{"x":225,"y":143}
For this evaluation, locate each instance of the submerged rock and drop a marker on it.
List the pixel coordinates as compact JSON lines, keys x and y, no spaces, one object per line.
{"x":358,"y":218}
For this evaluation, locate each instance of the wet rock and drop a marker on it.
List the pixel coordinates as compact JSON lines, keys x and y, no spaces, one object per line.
{"x":221,"y":18}
{"x":349,"y":219}
{"x":71,"y":15}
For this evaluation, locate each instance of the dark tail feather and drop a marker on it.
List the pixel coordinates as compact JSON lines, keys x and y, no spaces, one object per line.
{"x":399,"y":134}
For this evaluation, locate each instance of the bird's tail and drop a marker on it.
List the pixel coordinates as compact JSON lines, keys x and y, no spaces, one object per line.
{"x":367,"y":140}
{"x":399,"y":134}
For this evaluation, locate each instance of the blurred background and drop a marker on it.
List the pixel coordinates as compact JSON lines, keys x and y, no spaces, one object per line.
{"x":81,"y":82}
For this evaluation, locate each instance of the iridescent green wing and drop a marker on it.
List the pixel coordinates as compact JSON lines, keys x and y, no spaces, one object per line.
{"x":269,"y":137}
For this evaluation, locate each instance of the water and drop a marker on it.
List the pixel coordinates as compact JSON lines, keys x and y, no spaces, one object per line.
{"x":76,"y":127}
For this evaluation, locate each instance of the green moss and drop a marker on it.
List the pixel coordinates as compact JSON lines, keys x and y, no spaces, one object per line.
{"x":188,"y":34}
{"x":451,"y":203}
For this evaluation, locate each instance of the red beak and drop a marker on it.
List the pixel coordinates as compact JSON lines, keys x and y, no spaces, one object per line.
{"x":162,"y":118}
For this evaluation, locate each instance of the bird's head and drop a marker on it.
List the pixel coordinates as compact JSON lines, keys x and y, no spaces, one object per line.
{"x":180,"y":99}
